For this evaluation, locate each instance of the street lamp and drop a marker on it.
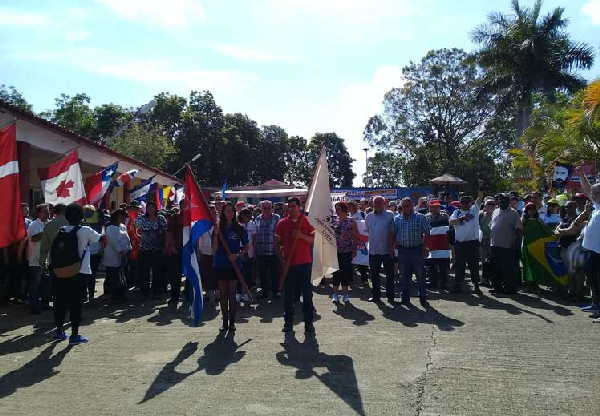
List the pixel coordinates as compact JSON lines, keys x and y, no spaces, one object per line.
{"x":144,"y":109}
{"x":366,"y":150}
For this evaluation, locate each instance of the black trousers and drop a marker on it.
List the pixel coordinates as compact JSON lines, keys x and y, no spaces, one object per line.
{"x":438,"y":272}
{"x":67,"y":297}
{"x":298,"y":283}
{"x":150,"y":262}
{"x":592,"y":271}
{"x":375,"y":262}
{"x":173,"y":270}
{"x":343,"y":276}
{"x":268,"y":273}
{"x":506,"y":276}
{"x":466,"y":254}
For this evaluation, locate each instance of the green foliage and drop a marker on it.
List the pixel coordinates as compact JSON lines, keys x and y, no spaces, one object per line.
{"x":338,"y":159}
{"x":12,"y":96}
{"x":146,"y":145}
{"x":438,"y":122}
{"x":385,"y":170}
{"x":74,"y":113}
{"x":524,"y":53}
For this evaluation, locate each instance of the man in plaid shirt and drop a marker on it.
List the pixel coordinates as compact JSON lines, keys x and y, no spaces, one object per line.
{"x":265,"y":250}
{"x":411,"y":228}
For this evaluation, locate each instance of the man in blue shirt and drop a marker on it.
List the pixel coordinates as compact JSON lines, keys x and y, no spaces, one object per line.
{"x":380,"y":227}
{"x":411,"y":228}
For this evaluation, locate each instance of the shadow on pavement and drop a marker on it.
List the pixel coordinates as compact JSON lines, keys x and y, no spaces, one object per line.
{"x":411,"y":316}
{"x":35,"y":371}
{"x":334,"y":371}
{"x":349,"y":311}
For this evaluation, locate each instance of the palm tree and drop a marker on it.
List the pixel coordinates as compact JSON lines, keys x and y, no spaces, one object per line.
{"x":591,"y":101}
{"x":523,"y":54}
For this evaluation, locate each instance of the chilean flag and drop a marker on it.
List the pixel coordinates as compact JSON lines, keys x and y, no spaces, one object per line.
{"x":96,"y":186}
{"x":62,"y":182}
{"x":196,"y":221}
{"x":125,"y":178}
{"x":12,"y":226}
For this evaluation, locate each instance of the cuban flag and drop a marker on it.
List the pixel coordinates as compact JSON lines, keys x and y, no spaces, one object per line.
{"x":96,"y":186}
{"x":196,"y":221}
{"x":12,"y":226}
{"x":139,"y":192}
{"x":125,"y":178}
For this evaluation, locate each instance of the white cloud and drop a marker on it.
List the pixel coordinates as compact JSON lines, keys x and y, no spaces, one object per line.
{"x":357,"y":103}
{"x":168,"y":13}
{"x":15,"y":18}
{"x":592,"y":9}
{"x":247,"y":54}
{"x":76,"y":35}
{"x":349,"y":20}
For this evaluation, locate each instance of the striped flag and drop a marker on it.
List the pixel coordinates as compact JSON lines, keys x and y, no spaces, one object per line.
{"x":196,"y":221}
{"x":125,"y":178}
{"x":96,"y":186}
{"x":139,"y":192}
{"x":12,"y":226}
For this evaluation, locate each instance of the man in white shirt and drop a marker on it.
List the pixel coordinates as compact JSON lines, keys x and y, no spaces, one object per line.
{"x":591,"y":243}
{"x":466,"y":247}
{"x":35,"y":231}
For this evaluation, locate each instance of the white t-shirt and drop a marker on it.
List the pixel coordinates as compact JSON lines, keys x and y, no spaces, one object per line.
{"x":205,"y":243}
{"x":85,"y":237}
{"x":117,"y":243}
{"x":591,"y":232}
{"x":33,"y":248}
{"x":251,"y":229}
{"x":466,"y":230}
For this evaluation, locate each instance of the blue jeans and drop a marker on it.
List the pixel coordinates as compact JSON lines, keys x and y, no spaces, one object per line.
{"x":298,"y":283}
{"x":411,"y":261}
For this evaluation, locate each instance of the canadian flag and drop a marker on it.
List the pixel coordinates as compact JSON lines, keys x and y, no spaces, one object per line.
{"x":62,"y":182}
{"x":12,"y":226}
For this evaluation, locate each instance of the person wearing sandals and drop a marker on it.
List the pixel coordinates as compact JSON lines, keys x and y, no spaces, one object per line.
{"x":228,"y":232}
{"x":346,"y":235}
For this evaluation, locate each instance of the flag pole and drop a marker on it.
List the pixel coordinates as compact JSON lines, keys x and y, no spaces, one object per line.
{"x":286,"y":266}
{"x":236,"y":269}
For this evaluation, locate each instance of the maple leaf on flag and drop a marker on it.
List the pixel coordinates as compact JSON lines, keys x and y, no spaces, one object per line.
{"x":62,"y":191}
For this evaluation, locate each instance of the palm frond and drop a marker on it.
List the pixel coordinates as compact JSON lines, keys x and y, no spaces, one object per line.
{"x":554,"y":21}
{"x":591,"y":101}
{"x":579,"y":55}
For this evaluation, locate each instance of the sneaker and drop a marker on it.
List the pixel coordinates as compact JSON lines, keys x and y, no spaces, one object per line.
{"x":59,"y":336}
{"x":596,"y":321}
{"x":374,"y":300}
{"x":287,"y":327}
{"x":334,"y":298}
{"x":77,"y":339}
{"x":590,"y":308}
{"x":595,"y":315}
{"x":346,"y":299}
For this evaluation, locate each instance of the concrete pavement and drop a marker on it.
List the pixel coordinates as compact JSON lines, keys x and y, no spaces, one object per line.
{"x":468,"y":355}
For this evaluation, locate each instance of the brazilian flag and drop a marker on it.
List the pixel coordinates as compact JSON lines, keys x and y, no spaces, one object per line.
{"x":542,"y":262}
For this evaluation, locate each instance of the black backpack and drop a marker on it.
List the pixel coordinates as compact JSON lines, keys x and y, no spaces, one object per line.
{"x":64,"y":253}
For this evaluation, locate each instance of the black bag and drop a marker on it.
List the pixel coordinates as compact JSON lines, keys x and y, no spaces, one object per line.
{"x":64,"y":253}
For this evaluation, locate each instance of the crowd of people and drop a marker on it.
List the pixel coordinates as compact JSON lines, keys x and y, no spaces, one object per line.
{"x":266,"y":251}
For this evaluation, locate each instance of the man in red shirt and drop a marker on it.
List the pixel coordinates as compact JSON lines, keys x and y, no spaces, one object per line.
{"x":295,"y":236}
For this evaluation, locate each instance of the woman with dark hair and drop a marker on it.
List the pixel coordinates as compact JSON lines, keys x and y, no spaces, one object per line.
{"x":346,"y":235}
{"x":229,"y":232}
{"x":151,"y":228}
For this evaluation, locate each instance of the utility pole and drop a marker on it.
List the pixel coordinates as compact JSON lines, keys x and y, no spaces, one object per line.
{"x":365,"y":181}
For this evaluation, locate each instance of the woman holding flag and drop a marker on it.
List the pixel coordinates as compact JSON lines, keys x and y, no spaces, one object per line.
{"x":225,"y":260}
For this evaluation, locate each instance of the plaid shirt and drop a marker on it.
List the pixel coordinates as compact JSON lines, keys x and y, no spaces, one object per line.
{"x":264,"y":238}
{"x":409,"y":231}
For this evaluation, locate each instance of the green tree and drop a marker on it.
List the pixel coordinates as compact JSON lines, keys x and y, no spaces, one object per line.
{"x":385,"y":170}
{"x":74,"y":113}
{"x":146,"y":145}
{"x":167,"y":114}
{"x":296,"y":163}
{"x":14,"y":97}
{"x":241,"y":140}
{"x":338,"y":159}
{"x":523,"y":53}
{"x":270,"y":155}
{"x":110,"y":119}
{"x":436,"y":117}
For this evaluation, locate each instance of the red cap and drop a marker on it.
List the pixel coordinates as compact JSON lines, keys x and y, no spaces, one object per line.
{"x":455,"y":204}
{"x":435,"y":203}
{"x":529,"y":205}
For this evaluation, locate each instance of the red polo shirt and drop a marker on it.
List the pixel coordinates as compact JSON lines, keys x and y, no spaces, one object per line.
{"x":302,"y":253}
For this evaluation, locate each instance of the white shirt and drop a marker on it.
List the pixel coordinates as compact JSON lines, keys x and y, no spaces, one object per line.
{"x":357,"y":216}
{"x":591,"y":232}
{"x":85,"y":236}
{"x":33,"y":248}
{"x":117,"y":243}
{"x":466,"y":230}
{"x":205,"y":243}
{"x":251,"y":229}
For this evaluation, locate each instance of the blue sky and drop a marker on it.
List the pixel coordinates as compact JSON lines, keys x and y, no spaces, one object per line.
{"x":306,"y":65}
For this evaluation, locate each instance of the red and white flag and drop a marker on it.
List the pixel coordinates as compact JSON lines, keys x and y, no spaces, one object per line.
{"x":12,"y":226}
{"x":62,"y":182}
{"x":125,"y":178}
